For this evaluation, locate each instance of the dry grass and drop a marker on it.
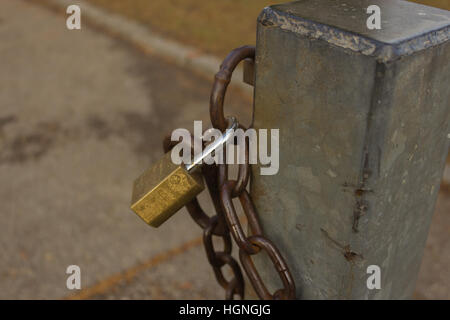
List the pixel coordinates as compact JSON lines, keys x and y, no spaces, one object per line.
{"x":443,"y":4}
{"x":214,"y":26}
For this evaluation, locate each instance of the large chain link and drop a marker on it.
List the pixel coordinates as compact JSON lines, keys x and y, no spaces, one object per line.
{"x":226,"y":221}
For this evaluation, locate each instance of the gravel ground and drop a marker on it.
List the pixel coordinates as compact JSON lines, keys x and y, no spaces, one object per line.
{"x":81,"y":116}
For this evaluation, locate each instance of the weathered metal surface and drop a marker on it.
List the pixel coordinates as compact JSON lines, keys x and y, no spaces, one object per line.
{"x":226,"y":222}
{"x":363,"y":118}
{"x":163,"y":189}
{"x":406,"y":27}
{"x":249,"y":72}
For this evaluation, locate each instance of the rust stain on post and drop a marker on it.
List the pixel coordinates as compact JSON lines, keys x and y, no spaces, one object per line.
{"x":363,"y":118}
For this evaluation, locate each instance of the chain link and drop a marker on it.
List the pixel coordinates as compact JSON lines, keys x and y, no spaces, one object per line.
{"x":226,"y":221}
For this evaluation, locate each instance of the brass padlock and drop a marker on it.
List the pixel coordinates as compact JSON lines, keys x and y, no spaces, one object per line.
{"x":165,"y":188}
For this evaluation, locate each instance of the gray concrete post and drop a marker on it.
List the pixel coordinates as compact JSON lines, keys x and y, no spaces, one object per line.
{"x":364,"y":123}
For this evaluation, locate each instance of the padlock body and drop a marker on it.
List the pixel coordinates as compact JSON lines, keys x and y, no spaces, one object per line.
{"x":164,"y":189}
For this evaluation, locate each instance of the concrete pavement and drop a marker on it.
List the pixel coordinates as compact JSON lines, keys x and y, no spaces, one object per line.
{"x":81,"y":116}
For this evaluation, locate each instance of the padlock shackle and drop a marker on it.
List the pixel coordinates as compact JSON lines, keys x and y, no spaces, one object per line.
{"x":223,"y":140}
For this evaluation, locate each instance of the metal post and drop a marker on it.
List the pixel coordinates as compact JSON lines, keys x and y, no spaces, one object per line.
{"x":364,"y":123}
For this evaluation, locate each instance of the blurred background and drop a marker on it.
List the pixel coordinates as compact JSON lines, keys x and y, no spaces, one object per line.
{"x":82,"y":113}
{"x":213,"y":26}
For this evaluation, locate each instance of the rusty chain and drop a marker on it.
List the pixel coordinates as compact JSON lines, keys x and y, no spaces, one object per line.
{"x":226,"y":221}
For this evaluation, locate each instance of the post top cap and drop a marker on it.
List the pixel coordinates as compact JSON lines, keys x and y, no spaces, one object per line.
{"x":406,"y":27}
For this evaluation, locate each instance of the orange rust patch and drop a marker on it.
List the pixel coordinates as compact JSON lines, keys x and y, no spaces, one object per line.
{"x":128,"y":275}
{"x":445,"y":188}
